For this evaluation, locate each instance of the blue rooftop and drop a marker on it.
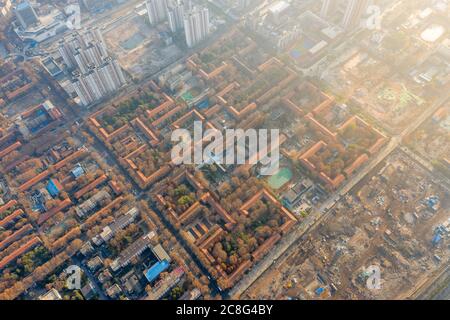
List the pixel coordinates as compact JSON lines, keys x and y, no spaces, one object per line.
{"x":156,"y":270}
{"x":78,"y":171}
{"x":52,"y":188}
{"x":23,"y":5}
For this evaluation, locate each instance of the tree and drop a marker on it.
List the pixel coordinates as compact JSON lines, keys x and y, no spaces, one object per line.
{"x":185,"y":201}
{"x":234,"y":259}
{"x":224,"y":189}
{"x":219,"y":253}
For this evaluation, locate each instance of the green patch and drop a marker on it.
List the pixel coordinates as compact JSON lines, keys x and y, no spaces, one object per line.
{"x":279,"y":179}
{"x":187,"y":96}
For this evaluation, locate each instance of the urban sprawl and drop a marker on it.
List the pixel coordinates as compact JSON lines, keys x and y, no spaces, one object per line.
{"x":87,"y":179}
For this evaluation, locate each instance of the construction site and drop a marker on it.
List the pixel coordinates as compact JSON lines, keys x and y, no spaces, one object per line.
{"x":396,"y":219}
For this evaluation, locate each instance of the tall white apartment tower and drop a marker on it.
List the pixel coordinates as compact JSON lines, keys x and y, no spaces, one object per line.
{"x":66,"y":49}
{"x":100,"y":41}
{"x":82,"y":63}
{"x":175,"y":15}
{"x":111,"y":75}
{"x":187,"y":5}
{"x":189,"y":29}
{"x":196,"y":26}
{"x":90,"y":45}
{"x":82,"y":92}
{"x":88,"y":88}
{"x":204,"y":23}
{"x":99,"y":81}
{"x":96,"y":73}
{"x":95,"y":84}
{"x":354,"y":12}
{"x":327,"y":7}
{"x":157,"y":10}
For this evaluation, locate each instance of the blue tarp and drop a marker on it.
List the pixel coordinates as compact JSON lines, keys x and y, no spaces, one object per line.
{"x":203,"y":104}
{"x":437,"y":238}
{"x":319,"y":291}
{"x":156,"y":270}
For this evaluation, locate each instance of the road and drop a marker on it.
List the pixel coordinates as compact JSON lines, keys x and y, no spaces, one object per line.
{"x":436,"y":288}
{"x":91,"y":278}
{"x":282,"y":249}
{"x":118,"y":13}
{"x":444,"y":294}
{"x":438,"y":178}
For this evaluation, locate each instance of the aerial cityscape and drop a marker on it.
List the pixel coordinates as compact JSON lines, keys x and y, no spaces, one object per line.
{"x":136,"y":137}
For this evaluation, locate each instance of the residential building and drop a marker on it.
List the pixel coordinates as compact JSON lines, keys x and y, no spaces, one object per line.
{"x":26,"y":14}
{"x":5,"y":8}
{"x":354,"y":12}
{"x":175,"y":15}
{"x":135,"y":249}
{"x":196,"y":26}
{"x":157,"y":11}
{"x":119,"y":224}
{"x":99,"y":82}
{"x":96,"y":73}
{"x":164,"y":285}
{"x":52,"y":294}
{"x":160,"y":253}
{"x":328,"y":6}
{"x":84,"y":50}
